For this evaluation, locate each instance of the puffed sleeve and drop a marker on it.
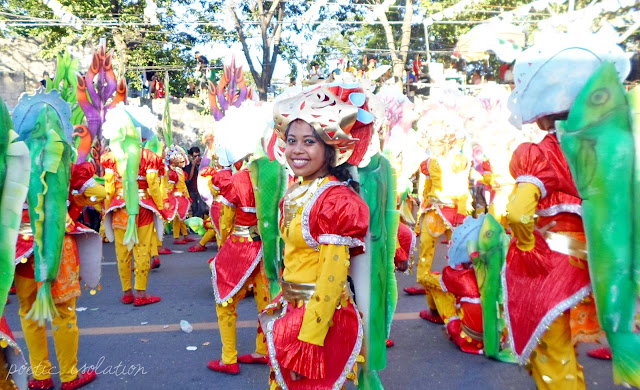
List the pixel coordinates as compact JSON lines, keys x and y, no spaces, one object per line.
{"x":520,"y":210}
{"x":530,"y":164}
{"x":424,"y":169}
{"x":343,"y":220}
{"x":227,"y":212}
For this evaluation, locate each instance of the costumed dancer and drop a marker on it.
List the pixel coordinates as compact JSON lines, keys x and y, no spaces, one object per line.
{"x":15,"y":168}
{"x":219,"y":181}
{"x":81,"y":257}
{"x":179,"y":201}
{"x":238,"y":263}
{"x":38,"y":243}
{"x":313,"y":329}
{"x":445,"y":205}
{"x":546,"y":272}
{"x":135,"y":210}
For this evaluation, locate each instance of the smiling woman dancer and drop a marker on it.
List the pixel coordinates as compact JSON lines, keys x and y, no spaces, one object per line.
{"x":313,"y":329}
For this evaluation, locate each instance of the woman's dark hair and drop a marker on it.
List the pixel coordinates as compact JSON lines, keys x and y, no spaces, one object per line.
{"x":341,"y":172}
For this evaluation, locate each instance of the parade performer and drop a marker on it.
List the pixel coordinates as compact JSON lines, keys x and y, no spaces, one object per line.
{"x":239,"y":261}
{"x":598,"y":135}
{"x":176,"y":187}
{"x":313,"y":329}
{"x":14,"y":183}
{"x":81,"y":257}
{"x":445,"y":205}
{"x":546,"y":272}
{"x":135,"y":210}
{"x":218,"y":183}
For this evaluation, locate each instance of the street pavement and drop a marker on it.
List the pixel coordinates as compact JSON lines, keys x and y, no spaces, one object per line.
{"x":144,"y":348}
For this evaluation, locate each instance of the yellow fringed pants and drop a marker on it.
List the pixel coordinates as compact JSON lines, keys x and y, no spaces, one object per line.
{"x":179,"y":228}
{"x":553,"y":363}
{"x":432,"y":226}
{"x":227,"y":316}
{"x":65,"y":334}
{"x":142,"y":256}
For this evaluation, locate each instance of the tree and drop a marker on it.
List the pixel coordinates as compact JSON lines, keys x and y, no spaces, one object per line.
{"x":139,"y":40}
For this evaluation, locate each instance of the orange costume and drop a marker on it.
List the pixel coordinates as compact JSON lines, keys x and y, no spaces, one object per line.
{"x":81,"y":244}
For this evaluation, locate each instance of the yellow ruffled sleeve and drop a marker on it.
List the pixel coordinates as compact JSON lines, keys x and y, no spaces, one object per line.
{"x":92,"y":196}
{"x":520,"y":210}
{"x":330,"y":285}
{"x":155,"y":189}
{"x":109,"y":187}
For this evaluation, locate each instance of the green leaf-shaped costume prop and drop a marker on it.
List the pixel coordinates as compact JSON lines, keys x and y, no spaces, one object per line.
{"x":126,"y":144}
{"x":196,"y":224}
{"x":51,"y":158}
{"x":492,"y":246}
{"x":598,"y":142}
{"x":373,"y":272}
{"x":66,"y":82}
{"x":14,"y":183}
{"x":269,"y":180}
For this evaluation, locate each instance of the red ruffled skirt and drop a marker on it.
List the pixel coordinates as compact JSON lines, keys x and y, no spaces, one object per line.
{"x":233,"y":265}
{"x":178,"y":206}
{"x":540,"y":285}
{"x":323,"y":367}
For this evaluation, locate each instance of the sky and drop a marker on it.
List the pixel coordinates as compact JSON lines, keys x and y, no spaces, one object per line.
{"x":215,"y":49}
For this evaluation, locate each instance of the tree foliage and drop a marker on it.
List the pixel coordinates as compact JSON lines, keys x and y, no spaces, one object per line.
{"x":138,"y":41}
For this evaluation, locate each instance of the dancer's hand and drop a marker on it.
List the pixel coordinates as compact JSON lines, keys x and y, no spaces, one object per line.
{"x":402,"y":266}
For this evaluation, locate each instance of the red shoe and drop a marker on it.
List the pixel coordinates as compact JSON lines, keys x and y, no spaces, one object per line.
{"x":41,"y":384}
{"x":249,"y":359}
{"x":217,"y":365}
{"x":415,"y":290}
{"x":155,"y":264}
{"x":127,"y":299}
{"x":138,"y":301}
{"x":431,"y":316}
{"x":164,"y":251}
{"x":390,"y":343}
{"x":197,"y":248}
{"x":465,"y":344}
{"x":84,"y":378}
{"x":601,"y":353}
{"x":189,"y":239}
{"x":179,"y":242}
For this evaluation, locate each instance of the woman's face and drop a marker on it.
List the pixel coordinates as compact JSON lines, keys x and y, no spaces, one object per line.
{"x":305,"y":154}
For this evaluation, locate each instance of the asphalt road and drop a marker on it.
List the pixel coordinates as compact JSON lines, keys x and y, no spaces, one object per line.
{"x":144,"y":348}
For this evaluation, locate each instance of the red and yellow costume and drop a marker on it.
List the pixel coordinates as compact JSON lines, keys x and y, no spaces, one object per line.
{"x":406,"y":244}
{"x":546,"y":275}
{"x":11,"y":357}
{"x":313,"y":327}
{"x":178,"y":201}
{"x":219,"y":182}
{"x":445,"y":206}
{"x":149,"y":218}
{"x":81,"y":244}
{"x":238,"y":263}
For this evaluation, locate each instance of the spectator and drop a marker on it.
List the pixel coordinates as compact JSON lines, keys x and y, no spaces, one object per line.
{"x":45,"y":78}
{"x":191,"y":172}
{"x":145,"y":85}
{"x":292,"y":81}
{"x":191,"y":91}
{"x":203,"y":68}
{"x":314,"y":74}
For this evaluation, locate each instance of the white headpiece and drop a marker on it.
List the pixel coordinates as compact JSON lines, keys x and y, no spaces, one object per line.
{"x":550,"y":74}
